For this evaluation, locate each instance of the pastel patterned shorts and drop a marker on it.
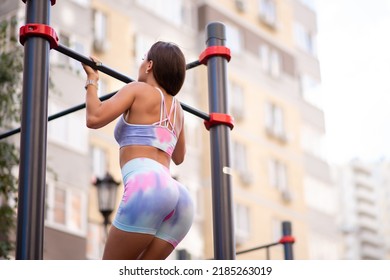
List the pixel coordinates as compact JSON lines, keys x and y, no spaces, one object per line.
{"x":153,"y":202}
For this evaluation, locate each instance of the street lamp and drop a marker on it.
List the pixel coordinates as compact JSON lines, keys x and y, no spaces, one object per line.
{"x":106,"y":189}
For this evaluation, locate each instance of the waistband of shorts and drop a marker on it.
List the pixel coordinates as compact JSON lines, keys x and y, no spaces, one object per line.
{"x":139,"y":163}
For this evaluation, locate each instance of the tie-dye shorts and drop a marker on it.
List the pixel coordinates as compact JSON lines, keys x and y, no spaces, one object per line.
{"x":153,"y":202}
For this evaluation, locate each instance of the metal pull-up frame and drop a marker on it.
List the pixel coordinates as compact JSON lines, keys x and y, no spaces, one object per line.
{"x":38,"y":38}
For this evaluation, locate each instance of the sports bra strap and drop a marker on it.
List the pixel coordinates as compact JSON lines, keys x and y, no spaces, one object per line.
{"x":164,"y":111}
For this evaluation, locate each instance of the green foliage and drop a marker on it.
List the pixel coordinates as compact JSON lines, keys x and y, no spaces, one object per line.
{"x":11,"y":66}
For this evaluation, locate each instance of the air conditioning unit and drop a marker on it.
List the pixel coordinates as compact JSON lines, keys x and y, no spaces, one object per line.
{"x":286,"y":195}
{"x":241,"y":236}
{"x":246,"y":177}
{"x":237,"y":113}
{"x":240,"y":5}
{"x":100,"y":46}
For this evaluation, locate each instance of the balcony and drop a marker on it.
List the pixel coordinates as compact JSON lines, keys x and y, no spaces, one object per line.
{"x":371,"y":238}
{"x":371,"y":253}
{"x":368,"y":223}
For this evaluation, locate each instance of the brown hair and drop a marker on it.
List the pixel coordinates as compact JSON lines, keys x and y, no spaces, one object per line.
{"x":169,"y":66}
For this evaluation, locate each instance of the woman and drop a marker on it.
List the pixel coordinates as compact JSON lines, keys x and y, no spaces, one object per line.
{"x":156,"y":211}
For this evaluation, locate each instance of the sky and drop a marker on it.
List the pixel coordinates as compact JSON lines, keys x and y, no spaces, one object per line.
{"x":354,"y":53}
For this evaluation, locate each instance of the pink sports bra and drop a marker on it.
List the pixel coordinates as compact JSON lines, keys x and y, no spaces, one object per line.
{"x":160,"y":135}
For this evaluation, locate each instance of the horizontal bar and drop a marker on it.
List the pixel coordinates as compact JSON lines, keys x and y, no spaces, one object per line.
{"x":102,"y":68}
{"x":258,"y":248}
{"x":76,"y":108}
{"x":193,"y":64}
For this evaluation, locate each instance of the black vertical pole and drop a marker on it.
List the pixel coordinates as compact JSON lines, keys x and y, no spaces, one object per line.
{"x":32,"y":169}
{"x":288,"y":249}
{"x":224,"y":244}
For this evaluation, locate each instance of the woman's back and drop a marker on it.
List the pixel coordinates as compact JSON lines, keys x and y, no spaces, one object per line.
{"x":150,"y":127}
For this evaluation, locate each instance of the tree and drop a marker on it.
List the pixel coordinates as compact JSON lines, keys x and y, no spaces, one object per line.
{"x":11,"y":66}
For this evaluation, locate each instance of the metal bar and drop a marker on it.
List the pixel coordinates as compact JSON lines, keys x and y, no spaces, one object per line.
{"x":288,"y":246}
{"x":193,"y":64}
{"x":102,"y":68}
{"x":81,"y":58}
{"x":32,"y":169}
{"x":224,"y":244}
{"x":257,"y":248}
{"x":10,"y":133}
{"x":76,"y":108}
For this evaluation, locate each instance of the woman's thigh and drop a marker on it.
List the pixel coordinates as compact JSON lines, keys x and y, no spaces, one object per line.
{"x":122,"y":245}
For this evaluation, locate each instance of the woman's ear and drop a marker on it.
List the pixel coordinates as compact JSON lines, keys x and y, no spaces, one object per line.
{"x":149,"y":66}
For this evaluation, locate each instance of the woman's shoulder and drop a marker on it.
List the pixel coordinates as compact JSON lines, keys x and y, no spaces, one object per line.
{"x":138,"y":86}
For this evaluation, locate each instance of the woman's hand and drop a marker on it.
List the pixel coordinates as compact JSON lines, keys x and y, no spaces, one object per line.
{"x":92,"y":74}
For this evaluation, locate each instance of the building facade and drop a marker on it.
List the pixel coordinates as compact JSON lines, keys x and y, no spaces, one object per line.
{"x":279,"y":171}
{"x":365,"y":193}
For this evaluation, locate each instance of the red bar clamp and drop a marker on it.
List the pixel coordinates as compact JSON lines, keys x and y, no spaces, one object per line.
{"x":219,"y":118}
{"x":287,"y":239}
{"x":53,"y":2}
{"x":214,"y":51}
{"x":41,"y":30}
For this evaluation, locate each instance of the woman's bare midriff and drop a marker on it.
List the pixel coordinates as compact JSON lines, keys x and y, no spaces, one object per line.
{"x":131,"y":152}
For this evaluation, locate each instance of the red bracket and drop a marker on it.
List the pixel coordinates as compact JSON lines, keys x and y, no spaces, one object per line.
{"x":53,"y":2}
{"x":214,"y":51}
{"x":219,"y":118}
{"x":41,"y":30}
{"x":287,"y":239}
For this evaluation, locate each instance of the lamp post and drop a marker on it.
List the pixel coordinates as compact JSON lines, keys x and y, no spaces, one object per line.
{"x":106,"y":189}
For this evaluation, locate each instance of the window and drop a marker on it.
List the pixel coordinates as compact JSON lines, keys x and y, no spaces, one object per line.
{"x":66,"y":208}
{"x":267,"y":11}
{"x":240,"y":164}
{"x":99,"y":31}
{"x":99,"y":162}
{"x":65,"y":61}
{"x":270,"y":60}
{"x":236,"y":100}
{"x":241,"y":222}
{"x":320,"y":196}
{"x":84,"y":3}
{"x":275,"y":64}
{"x":76,"y":65}
{"x":311,"y":4}
{"x":95,"y":241}
{"x":239,"y":157}
{"x":304,"y":39}
{"x":312,"y":141}
{"x":170,"y":10}
{"x":264,"y":53}
{"x":233,"y":39}
{"x":276,"y":227}
{"x":274,"y":121}
{"x":277,"y":175}
{"x":69,"y":130}
{"x":311,"y":90}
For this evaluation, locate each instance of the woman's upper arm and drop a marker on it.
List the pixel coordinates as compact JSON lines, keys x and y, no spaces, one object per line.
{"x":100,"y":114}
{"x":180,"y":149}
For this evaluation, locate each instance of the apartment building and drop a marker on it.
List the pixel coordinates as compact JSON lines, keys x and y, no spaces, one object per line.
{"x":68,"y":176}
{"x":365,"y":200}
{"x":123,"y":33}
{"x":279,"y":170}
